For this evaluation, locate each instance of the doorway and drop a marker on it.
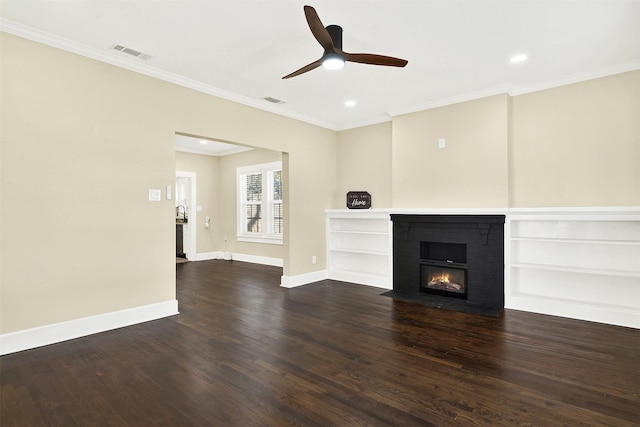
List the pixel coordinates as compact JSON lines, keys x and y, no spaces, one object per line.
{"x":186,"y":211}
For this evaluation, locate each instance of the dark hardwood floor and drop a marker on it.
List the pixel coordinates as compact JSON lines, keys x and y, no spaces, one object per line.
{"x":246,"y":352}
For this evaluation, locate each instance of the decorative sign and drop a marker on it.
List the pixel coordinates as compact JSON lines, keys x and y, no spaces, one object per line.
{"x":358,"y":200}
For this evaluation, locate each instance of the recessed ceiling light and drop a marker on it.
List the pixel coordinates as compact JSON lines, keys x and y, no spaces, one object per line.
{"x":350,"y":103}
{"x":203,"y":142}
{"x":518,"y":58}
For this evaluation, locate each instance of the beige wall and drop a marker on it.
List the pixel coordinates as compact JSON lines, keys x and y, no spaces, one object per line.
{"x":471,"y":171}
{"x":577,"y":145}
{"x":217,"y":195}
{"x":227,"y":218}
{"x":80,"y":150}
{"x":364,"y":164}
{"x":306,"y":176}
{"x":82,"y":143}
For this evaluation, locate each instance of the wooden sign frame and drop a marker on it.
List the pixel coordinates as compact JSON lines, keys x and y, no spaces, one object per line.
{"x":358,"y":200}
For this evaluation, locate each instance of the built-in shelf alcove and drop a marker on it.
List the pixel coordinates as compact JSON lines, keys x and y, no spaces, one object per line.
{"x":580,"y":263}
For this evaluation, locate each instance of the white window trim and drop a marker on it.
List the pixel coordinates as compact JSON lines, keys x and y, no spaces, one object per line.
{"x":267,"y":236}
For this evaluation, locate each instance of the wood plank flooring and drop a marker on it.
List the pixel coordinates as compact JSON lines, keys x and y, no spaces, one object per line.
{"x":246,"y":352}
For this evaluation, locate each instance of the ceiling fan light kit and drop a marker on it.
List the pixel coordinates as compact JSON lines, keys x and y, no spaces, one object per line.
{"x":330,"y":38}
{"x":333,"y":61}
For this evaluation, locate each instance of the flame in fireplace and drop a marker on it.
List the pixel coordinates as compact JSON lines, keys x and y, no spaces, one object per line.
{"x":443,"y":281}
{"x":443,"y":278}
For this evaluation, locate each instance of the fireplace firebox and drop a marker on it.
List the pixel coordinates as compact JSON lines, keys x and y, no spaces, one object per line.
{"x":444,"y":281}
{"x":443,"y":269}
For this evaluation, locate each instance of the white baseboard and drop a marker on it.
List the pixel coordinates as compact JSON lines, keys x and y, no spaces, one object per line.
{"x":58,"y":332}
{"x":303,"y":279}
{"x":362,"y":279}
{"x":204,"y":256}
{"x":619,"y":316}
{"x":255,"y":259}
{"x":275,"y":262}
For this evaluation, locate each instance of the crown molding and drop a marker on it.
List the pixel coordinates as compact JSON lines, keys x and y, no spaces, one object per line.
{"x":497,"y":90}
{"x":115,"y":58}
{"x":382,"y":118}
{"x":519,"y":90}
{"x":576,"y":78}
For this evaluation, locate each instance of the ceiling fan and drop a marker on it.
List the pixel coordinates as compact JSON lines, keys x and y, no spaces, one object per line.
{"x":330,"y":38}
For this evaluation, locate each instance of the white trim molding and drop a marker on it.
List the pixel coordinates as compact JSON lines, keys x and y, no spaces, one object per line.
{"x":266,"y":205}
{"x":514,"y":90}
{"x":123,"y":61}
{"x":58,"y":332}
{"x":192,"y":207}
{"x":303,"y":279}
{"x":255,"y":259}
{"x":205,"y":256}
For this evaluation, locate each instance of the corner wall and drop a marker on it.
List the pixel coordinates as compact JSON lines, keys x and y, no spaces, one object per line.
{"x":228,"y":203}
{"x":364,"y":164}
{"x":82,"y":143}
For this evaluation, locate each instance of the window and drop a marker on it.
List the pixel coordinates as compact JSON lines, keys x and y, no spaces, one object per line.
{"x":260,"y":211}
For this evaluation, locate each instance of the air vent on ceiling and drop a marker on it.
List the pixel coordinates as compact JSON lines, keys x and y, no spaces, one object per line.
{"x":131,"y":52}
{"x":273,"y":100}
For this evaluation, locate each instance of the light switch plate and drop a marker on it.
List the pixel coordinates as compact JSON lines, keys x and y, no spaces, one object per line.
{"x":169,"y":192}
{"x":155,"y":195}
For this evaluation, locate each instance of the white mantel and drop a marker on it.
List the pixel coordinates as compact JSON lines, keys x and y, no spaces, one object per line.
{"x":581,"y":263}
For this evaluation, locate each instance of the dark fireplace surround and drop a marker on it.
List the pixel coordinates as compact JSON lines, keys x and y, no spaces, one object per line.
{"x":467,"y":248}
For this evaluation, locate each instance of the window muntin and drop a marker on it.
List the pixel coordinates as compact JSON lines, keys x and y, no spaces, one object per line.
{"x":260,"y":210}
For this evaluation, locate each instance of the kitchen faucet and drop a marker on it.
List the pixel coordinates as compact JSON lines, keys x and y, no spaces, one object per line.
{"x":184,"y":210}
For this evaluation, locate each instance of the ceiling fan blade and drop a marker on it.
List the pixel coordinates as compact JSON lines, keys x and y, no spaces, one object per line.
{"x":304,"y":69}
{"x":370,"y":58}
{"x":318,"y":30}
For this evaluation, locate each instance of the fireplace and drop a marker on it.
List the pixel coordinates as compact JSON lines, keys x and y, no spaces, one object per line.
{"x":450,"y":261}
{"x":443,"y":269}
{"x":445,"y":281}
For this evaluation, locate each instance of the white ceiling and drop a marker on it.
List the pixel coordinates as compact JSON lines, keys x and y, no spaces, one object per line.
{"x":240,"y":50}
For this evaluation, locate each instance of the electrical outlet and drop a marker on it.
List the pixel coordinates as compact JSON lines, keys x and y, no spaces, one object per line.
{"x":441,"y":143}
{"x":313,"y":260}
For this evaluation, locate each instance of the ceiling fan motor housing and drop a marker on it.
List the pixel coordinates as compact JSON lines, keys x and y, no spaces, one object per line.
{"x":335,"y":31}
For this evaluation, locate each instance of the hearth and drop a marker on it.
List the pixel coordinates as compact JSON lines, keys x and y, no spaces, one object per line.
{"x":452,"y":261}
